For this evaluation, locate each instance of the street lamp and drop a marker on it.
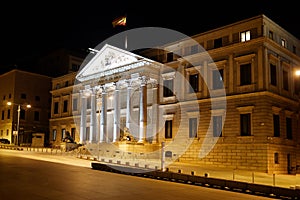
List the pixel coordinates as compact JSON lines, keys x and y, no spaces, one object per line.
{"x":18,"y":119}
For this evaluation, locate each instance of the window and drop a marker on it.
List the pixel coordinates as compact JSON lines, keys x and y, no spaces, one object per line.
{"x":4,"y":97}
{"x":276,"y":125}
{"x":245,"y":124}
{"x":7,"y":132}
{"x":271,"y":35}
{"x":54,"y":134}
{"x":63,"y":133}
{"x":245,"y":74}
{"x":245,"y":36}
{"x":37,"y":98}
{"x":283,"y":42}
{"x":168,"y":88}
{"x":56,"y":108}
{"x":23,"y":96}
{"x":192,"y":127}
{"x":218,"y":79}
{"x":218,"y":43}
{"x":75,"y":67}
{"x":74,"y":105}
{"x":73,"y":132}
{"x":1,"y":132}
{"x":194,"y":82}
{"x":36,"y":116}
{"x":194,"y":49}
{"x":273,"y":73}
{"x":65,"y":109}
{"x":276,"y":158}
{"x":66,"y":83}
{"x":168,"y":129}
{"x":289,"y":132}
{"x":8,"y":114}
{"x":9,"y":96}
{"x":22,"y":114}
{"x":294,"y":49}
{"x":217,"y":126}
{"x":2,"y":116}
{"x":285,"y":80}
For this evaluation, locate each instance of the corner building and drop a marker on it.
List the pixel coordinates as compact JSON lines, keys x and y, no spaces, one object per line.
{"x":254,"y":61}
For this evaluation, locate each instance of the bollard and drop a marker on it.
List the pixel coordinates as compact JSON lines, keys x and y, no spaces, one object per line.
{"x":205,"y":175}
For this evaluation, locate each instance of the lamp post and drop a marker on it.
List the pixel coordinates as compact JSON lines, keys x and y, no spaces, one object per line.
{"x":18,"y":120}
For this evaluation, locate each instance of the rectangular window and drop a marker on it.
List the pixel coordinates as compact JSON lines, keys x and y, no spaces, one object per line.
{"x":276,"y":125}
{"x":23,"y":96}
{"x":245,"y":36}
{"x":194,"y":49}
{"x":1,"y":132}
{"x":283,"y":42}
{"x":74,"y":105}
{"x":2,"y":116}
{"x":285,"y":80}
{"x":289,"y":130}
{"x":8,"y":114}
{"x":54,"y":132}
{"x":217,"y":126}
{"x":22,"y":114}
{"x":36,"y":116}
{"x":245,"y":74}
{"x":168,"y":88}
{"x":276,"y":158}
{"x":56,"y":108}
{"x":218,"y":79}
{"x":271,"y":35}
{"x":65,"y":109}
{"x":193,"y":127}
{"x":273,"y":73}
{"x":73,"y":132}
{"x":168,"y":129}
{"x":245,"y":124}
{"x":63,"y":133}
{"x":218,"y":43}
{"x":194,"y":83}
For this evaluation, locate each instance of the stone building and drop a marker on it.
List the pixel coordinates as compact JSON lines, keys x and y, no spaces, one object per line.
{"x":228,"y":97}
{"x":19,"y":89}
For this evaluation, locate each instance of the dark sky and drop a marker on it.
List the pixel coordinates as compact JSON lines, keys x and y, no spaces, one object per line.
{"x":32,"y":28}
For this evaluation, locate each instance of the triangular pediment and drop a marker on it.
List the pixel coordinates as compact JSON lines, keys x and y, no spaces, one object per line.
{"x":107,"y":61}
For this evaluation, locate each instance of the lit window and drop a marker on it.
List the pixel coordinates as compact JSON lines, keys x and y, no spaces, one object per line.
{"x":245,"y":36}
{"x":283,"y":42}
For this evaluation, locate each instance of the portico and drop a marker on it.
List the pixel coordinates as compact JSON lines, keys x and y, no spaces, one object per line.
{"x":118,"y":92}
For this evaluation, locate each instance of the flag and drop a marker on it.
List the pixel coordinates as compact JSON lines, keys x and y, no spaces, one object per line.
{"x":120,"y":21}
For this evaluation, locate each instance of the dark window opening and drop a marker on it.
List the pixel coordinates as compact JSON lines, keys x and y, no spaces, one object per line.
{"x":168,"y":88}
{"x":245,"y":74}
{"x":245,"y":124}
{"x":194,"y":82}
{"x":276,"y":125}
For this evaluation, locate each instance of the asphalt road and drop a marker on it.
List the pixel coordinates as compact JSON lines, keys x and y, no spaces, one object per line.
{"x":29,"y":179}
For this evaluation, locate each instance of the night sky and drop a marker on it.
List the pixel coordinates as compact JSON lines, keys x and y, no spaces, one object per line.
{"x":30,"y":29}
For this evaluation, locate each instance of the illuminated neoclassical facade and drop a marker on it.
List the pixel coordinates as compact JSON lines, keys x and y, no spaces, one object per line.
{"x":174,"y":95}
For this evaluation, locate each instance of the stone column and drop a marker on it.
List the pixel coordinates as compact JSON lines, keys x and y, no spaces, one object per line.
{"x":116,"y":133}
{"x":103,"y":120}
{"x":128,"y":104}
{"x":154,"y":113}
{"x":93,"y":120}
{"x":83,"y":118}
{"x":143,"y":110}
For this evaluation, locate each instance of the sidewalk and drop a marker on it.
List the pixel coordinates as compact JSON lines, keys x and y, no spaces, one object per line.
{"x":285,"y":181}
